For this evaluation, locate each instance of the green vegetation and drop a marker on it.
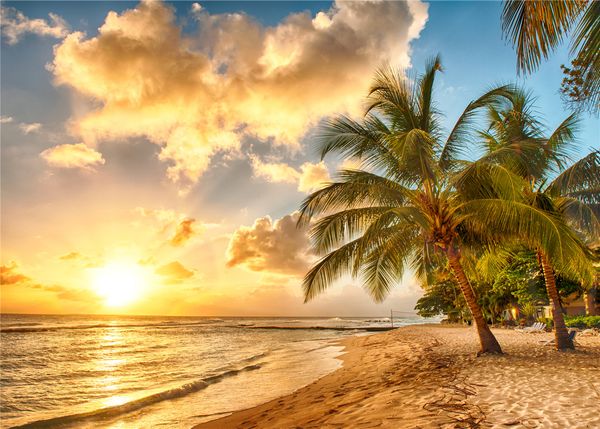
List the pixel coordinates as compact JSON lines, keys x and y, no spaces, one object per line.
{"x":516,"y":140}
{"x":583,"y":321}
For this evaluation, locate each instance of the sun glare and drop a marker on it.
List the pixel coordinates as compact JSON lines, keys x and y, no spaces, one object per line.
{"x":118,"y":283}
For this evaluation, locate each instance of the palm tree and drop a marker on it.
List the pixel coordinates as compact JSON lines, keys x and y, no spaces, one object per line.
{"x":406,"y":205}
{"x":537,"y":27}
{"x":516,"y":140}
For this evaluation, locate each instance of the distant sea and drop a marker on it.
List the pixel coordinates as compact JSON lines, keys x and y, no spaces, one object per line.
{"x":172,"y":372}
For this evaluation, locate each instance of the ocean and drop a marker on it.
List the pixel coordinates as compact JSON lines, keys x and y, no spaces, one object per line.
{"x":173,"y":372}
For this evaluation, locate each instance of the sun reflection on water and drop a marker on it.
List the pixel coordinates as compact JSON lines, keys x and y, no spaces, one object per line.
{"x":115,"y":400}
{"x":108,"y":361}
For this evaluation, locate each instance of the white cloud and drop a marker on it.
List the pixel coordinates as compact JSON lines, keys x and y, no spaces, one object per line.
{"x":30,"y":128}
{"x":197,"y":96}
{"x":72,"y":156}
{"x":5,"y":119}
{"x":196,"y":8}
{"x":309,"y":178}
{"x":15,"y":25}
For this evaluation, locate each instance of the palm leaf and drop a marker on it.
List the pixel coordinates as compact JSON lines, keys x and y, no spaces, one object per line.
{"x":583,"y":216}
{"x":329,"y":269}
{"x":503,"y":219}
{"x":333,"y":230}
{"x":536,"y":27}
{"x":426,"y":92}
{"x":456,"y":142}
{"x":582,"y":175}
{"x":392,"y":95}
{"x":357,"y":188}
{"x":559,"y":145}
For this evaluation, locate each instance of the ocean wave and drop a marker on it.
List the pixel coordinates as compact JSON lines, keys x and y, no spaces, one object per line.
{"x":136,"y":404}
{"x":18,"y":324}
{"x":46,"y":328}
{"x":255,"y":357}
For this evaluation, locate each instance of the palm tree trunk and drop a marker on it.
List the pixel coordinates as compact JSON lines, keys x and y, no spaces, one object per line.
{"x":590,"y":305}
{"x":560,"y":329}
{"x":489,"y":344}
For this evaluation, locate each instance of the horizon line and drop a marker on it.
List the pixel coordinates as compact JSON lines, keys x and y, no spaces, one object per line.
{"x":206,"y":316}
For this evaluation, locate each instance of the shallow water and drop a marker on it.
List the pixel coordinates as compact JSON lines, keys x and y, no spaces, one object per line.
{"x":120,"y":371}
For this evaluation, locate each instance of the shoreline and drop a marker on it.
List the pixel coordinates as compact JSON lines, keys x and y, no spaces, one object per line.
{"x":427,"y":376}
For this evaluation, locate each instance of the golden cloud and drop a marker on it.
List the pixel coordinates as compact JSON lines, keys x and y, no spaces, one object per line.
{"x":70,"y":256}
{"x":313,"y":176}
{"x":174,"y":272}
{"x":197,"y":96}
{"x":72,"y":156}
{"x":10,"y":276}
{"x":183,"y":233}
{"x":277,"y":247}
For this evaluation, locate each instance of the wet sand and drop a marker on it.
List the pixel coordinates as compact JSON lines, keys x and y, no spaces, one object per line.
{"x":428,"y":376}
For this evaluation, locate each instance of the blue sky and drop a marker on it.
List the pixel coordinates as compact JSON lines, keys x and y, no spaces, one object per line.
{"x":113,"y":140}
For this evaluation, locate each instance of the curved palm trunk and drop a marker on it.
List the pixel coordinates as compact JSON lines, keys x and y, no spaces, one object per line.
{"x":560,"y":329}
{"x":589,"y":299}
{"x":489,"y":344}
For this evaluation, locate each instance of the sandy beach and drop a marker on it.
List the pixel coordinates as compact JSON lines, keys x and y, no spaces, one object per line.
{"x":428,"y":377}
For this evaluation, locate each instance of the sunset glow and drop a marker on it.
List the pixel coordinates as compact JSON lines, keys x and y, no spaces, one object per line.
{"x":156,"y":153}
{"x":118,"y":284}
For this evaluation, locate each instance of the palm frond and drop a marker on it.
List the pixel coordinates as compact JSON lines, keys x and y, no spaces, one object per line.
{"x":482,"y":179}
{"x":588,"y":196}
{"x":392,"y":95}
{"x":582,"y":175}
{"x":586,"y":46}
{"x":559,"y":146}
{"x":537,"y":27}
{"x":416,"y":150}
{"x":384,"y":265}
{"x":493,"y":260}
{"x":332,"y":231}
{"x":424,"y":261}
{"x":426,"y":92}
{"x":361,"y":140}
{"x":459,"y":136}
{"x":523,"y":157}
{"x":329,"y":269}
{"x":502,"y":219}
{"x":583,"y":216}
{"x":357,"y":188}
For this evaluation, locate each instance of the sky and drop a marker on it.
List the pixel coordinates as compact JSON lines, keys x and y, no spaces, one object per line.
{"x":154,"y":154}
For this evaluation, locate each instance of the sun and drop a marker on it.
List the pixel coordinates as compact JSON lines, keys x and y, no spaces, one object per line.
{"x":118,"y":283}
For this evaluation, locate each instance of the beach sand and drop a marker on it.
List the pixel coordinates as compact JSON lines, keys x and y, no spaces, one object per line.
{"x":427,"y":376}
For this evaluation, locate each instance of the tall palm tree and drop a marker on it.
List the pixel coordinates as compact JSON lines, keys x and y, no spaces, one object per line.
{"x":516,"y":140}
{"x":406,"y":205}
{"x":537,"y":27}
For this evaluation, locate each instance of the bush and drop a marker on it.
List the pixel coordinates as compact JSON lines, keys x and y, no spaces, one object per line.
{"x":582,"y":321}
{"x":547,"y":321}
